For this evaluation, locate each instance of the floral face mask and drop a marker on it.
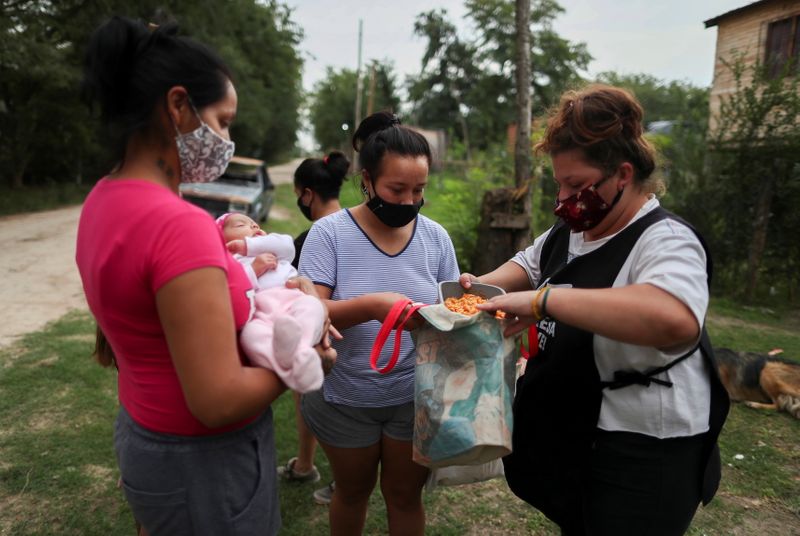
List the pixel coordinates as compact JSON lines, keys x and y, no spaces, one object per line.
{"x":204,"y":155}
{"x":585,"y":209}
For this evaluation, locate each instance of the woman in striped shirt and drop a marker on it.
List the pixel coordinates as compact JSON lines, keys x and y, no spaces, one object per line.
{"x":362,"y":260}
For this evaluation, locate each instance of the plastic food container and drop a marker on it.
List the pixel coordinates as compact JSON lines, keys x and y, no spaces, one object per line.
{"x":453,"y":289}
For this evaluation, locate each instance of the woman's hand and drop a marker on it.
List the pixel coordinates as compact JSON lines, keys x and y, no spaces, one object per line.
{"x":328,"y":358}
{"x":238,"y":247}
{"x":327,"y":354}
{"x":466,"y":280}
{"x":416,"y":320}
{"x":518,"y":307}
{"x":264,"y":263}
{"x":304,"y":284}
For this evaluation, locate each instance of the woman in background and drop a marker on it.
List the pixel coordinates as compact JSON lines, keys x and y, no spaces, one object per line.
{"x":317,"y":183}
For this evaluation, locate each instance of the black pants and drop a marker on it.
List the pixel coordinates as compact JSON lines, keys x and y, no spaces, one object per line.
{"x":639,"y":485}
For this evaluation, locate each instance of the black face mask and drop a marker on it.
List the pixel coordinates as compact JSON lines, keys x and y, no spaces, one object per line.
{"x":306,"y":210}
{"x":394,"y":214}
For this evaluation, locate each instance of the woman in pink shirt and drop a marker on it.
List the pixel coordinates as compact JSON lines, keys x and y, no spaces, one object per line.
{"x":194,"y":436}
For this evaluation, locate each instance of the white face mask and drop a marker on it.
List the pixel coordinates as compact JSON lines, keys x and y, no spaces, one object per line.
{"x":204,"y":154}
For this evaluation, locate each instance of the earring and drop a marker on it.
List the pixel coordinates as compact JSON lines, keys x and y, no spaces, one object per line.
{"x":364,"y":190}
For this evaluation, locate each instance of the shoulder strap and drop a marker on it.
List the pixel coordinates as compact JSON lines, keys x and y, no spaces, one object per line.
{"x":554,"y":250}
{"x":388,"y":324}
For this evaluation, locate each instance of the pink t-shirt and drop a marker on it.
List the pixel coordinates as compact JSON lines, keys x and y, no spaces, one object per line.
{"x":133,"y":237}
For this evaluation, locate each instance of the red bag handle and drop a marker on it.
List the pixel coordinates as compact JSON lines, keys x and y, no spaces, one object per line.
{"x":533,"y":349}
{"x":386,"y":328}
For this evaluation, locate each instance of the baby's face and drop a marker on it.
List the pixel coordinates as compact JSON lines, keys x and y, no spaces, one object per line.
{"x":239,"y":226}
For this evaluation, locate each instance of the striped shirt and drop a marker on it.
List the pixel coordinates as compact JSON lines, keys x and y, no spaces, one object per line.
{"x":339,"y":255}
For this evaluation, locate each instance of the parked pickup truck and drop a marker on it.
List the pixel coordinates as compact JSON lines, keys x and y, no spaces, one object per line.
{"x":244,"y":187}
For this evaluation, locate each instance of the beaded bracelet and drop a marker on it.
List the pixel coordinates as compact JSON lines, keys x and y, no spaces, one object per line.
{"x":544,"y":302}
{"x":537,"y":313}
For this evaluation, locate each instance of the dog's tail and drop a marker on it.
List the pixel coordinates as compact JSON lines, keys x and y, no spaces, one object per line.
{"x":790,"y":404}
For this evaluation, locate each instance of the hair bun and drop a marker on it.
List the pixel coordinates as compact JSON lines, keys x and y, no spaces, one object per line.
{"x":373,"y":124}
{"x":337,"y":164}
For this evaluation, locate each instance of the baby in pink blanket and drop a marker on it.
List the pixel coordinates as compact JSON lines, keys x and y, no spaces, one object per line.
{"x":286,"y":323}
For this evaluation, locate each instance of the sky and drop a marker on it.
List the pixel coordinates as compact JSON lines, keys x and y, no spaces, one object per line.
{"x":663,"y":38}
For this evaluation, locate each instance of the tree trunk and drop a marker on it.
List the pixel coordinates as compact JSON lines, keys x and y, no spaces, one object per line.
{"x":759,"y":240}
{"x":18,"y":173}
{"x":522,"y":147}
{"x":505,"y":224}
{"x":502,"y":222}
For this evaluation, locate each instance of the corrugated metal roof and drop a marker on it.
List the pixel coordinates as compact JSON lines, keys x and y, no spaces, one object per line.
{"x":714,"y":21}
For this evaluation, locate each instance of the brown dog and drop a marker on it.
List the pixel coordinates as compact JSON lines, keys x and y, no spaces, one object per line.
{"x":760,"y":381}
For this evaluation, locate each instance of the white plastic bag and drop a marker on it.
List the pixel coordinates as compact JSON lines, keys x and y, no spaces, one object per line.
{"x":456,"y":475}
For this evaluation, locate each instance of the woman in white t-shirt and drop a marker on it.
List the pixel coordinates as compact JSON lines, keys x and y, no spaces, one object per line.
{"x":616,"y":418}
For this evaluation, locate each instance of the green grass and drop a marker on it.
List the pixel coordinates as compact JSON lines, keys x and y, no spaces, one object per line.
{"x":754,"y":329}
{"x":58,"y":474}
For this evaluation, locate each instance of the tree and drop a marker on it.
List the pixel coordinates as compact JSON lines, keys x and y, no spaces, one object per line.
{"x":334,"y":98}
{"x":37,"y":85}
{"x":755,"y":140}
{"x":41,"y":57}
{"x":448,"y":75}
{"x":506,"y":212}
{"x":662,"y":100}
{"x":471,"y":81}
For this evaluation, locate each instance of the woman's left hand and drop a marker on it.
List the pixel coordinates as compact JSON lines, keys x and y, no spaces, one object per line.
{"x":416,"y":320}
{"x":304,"y":284}
{"x":518,"y":307}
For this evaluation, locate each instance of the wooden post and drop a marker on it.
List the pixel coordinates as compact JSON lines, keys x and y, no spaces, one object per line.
{"x":371,"y":96}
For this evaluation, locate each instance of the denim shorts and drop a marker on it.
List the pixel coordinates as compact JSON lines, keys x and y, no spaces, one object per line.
{"x":350,"y":427}
{"x":204,"y":485}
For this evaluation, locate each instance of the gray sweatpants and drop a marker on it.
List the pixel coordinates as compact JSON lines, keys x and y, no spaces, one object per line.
{"x":210,"y":485}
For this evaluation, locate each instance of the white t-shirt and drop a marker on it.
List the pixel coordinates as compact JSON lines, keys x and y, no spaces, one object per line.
{"x":669,"y":256}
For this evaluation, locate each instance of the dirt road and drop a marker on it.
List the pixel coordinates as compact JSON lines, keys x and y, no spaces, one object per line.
{"x":40,"y":281}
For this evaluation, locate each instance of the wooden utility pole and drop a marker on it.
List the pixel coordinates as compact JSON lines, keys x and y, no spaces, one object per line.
{"x":357,"y":111}
{"x":371,"y":97}
{"x":522,"y":147}
{"x":359,"y":80}
{"x":505,"y":224}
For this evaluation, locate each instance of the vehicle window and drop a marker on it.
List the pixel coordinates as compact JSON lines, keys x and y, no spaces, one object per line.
{"x":241,"y":175}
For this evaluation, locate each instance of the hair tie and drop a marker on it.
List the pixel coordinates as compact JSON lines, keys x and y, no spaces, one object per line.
{"x":394,"y":120}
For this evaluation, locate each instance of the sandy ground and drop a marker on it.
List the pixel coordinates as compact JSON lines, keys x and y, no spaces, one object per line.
{"x":40,"y":281}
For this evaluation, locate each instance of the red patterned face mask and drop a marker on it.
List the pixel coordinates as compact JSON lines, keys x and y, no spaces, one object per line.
{"x":585,"y":209}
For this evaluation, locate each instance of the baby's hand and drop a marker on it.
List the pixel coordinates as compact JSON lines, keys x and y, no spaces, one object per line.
{"x":264,"y":263}
{"x":238,"y":247}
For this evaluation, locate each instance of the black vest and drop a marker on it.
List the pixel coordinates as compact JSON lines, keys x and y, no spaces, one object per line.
{"x":557,"y":402}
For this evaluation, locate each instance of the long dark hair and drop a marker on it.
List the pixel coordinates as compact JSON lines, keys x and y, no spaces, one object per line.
{"x":129,"y":67}
{"x":323,"y":176}
{"x":382,"y":133}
